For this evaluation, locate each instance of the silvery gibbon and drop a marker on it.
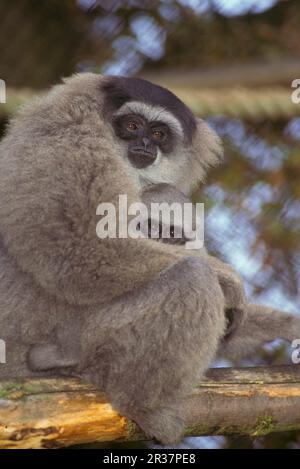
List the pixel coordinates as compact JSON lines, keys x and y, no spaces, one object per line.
{"x":142,"y":320}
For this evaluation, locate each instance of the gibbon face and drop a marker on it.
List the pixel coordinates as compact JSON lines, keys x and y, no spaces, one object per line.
{"x":146,"y":139}
{"x":155,"y":128}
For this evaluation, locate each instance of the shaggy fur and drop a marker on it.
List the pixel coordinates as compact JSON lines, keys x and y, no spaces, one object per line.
{"x":140,"y":319}
{"x":247,"y":325}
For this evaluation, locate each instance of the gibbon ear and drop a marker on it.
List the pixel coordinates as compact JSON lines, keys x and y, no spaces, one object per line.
{"x":206,"y":151}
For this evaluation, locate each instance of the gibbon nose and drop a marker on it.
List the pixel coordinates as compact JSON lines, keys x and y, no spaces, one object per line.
{"x":146,"y":141}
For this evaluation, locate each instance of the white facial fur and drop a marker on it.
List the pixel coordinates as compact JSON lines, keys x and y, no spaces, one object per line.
{"x":152,"y":113}
{"x":166,"y":168}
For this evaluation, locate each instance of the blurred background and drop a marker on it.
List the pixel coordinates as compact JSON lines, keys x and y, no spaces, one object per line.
{"x":233,"y":63}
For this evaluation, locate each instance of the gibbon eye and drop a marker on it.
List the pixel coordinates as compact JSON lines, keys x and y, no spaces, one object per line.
{"x":131,"y":126}
{"x":158,"y":134}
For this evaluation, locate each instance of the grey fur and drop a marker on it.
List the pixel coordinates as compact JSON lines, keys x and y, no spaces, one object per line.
{"x":140,"y":319}
{"x":247,"y":325}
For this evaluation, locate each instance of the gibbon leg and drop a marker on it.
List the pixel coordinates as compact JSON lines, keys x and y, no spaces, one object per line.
{"x":148,"y":364}
{"x":46,"y":357}
{"x":258,"y":325}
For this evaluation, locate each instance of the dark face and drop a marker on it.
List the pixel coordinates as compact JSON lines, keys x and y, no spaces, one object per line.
{"x":144,"y":138}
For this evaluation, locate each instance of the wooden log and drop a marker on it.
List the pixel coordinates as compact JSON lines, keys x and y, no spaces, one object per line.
{"x":50,"y":413}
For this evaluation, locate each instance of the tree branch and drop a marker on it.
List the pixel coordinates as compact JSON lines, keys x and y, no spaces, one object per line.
{"x":61,"y":412}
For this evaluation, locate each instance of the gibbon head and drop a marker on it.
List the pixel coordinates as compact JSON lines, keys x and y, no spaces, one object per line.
{"x":162,"y":139}
{"x":167,"y":194}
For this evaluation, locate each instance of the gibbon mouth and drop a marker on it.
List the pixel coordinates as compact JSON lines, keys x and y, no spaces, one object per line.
{"x":141,"y":158}
{"x":142,"y":151}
